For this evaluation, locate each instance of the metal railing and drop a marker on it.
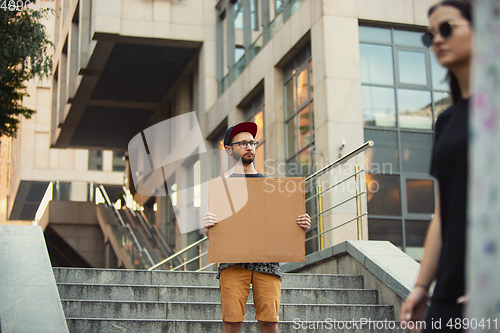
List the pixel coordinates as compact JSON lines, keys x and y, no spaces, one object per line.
{"x":312,"y":181}
{"x":139,"y":256}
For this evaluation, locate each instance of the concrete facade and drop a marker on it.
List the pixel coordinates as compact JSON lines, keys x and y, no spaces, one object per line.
{"x":121,"y":66}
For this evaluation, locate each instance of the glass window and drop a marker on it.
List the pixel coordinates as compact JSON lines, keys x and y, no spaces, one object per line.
{"x":118,"y":161}
{"x":304,"y":128}
{"x":254,"y":112}
{"x":390,"y":230}
{"x":299,"y":113}
{"x":278,"y":6}
{"x":412,"y":68}
{"x":398,"y":153}
{"x":254,"y":14}
{"x":239,"y":52}
{"x":414,"y":109}
{"x":302,"y":87}
{"x":415,"y":232}
{"x":238,"y":15}
{"x":382,"y":158}
{"x":291,"y":137}
{"x":375,"y":35}
{"x":95,"y":160}
{"x":383,"y":194}
{"x":290,"y":100}
{"x":376,"y":64}
{"x":379,"y":106}
{"x":420,"y":196}
{"x":416,"y":150}
{"x":408,"y":38}
{"x":305,"y":161}
{"x":438,"y":73}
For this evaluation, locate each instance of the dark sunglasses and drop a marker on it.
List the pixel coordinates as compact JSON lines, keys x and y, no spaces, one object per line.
{"x":445,"y":30}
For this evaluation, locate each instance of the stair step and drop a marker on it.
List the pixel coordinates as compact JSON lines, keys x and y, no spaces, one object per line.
{"x":145,"y":277}
{"x":211,"y":310}
{"x":91,"y":325}
{"x":208,"y":294}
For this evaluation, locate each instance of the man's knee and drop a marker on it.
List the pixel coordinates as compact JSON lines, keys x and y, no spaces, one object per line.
{"x":230,"y":327}
{"x":268,"y":326}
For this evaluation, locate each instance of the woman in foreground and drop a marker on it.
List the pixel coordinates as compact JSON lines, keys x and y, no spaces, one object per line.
{"x":450,"y":36}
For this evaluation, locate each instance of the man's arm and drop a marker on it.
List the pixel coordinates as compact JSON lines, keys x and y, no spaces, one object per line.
{"x":414,"y":307}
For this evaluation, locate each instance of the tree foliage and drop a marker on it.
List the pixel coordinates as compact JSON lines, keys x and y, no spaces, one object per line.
{"x":25,"y":53}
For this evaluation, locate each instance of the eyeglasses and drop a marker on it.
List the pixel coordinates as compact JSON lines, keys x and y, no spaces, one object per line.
{"x":244,"y":144}
{"x":445,"y":30}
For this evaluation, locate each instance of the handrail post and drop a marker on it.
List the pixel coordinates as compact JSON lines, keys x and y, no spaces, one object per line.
{"x":358,"y":199}
{"x":321,"y":244}
{"x":185,"y":268}
{"x":171,"y":265}
{"x":200,"y":259}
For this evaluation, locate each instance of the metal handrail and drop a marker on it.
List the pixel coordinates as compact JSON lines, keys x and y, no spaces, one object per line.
{"x":190,"y":261}
{"x":341,"y":160}
{"x":189,"y":247}
{"x":318,"y":173}
{"x":334,"y":185}
{"x":336,"y":227}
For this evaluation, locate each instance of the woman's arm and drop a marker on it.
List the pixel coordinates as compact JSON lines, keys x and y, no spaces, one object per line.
{"x":414,"y":307}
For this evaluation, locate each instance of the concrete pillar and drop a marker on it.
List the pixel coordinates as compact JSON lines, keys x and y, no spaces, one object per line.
{"x":337,"y":104}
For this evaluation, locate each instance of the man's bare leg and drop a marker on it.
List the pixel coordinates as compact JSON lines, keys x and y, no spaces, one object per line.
{"x":268,"y":327}
{"x":228,"y":327}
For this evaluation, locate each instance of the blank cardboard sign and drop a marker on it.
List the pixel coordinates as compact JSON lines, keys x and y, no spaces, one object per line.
{"x":257,"y":221}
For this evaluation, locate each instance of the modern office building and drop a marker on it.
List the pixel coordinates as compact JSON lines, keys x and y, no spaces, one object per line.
{"x":319,"y":77}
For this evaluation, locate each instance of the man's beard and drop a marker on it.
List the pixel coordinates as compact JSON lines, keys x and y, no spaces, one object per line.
{"x":244,"y":159}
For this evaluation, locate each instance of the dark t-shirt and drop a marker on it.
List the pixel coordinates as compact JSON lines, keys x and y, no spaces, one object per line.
{"x":270,"y":268}
{"x":450,"y":166}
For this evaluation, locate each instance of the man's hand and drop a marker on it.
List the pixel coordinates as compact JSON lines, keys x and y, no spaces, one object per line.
{"x":414,"y":307}
{"x":304,"y":221}
{"x":209,"y":220}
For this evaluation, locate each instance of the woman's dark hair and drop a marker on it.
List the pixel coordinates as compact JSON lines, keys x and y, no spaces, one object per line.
{"x":465,"y":8}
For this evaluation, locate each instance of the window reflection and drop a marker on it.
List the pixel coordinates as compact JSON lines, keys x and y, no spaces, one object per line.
{"x":376,"y":64}
{"x":382,"y":158}
{"x":302,"y":87}
{"x":239,"y":52}
{"x":383,"y":194}
{"x":390,"y":230}
{"x":290,"y":99}
{"x":416,"y":232}
{"x":420,"y":196}
{"x":238,"y":15}
{"x":291,"y":136}
{"x":408,"y":38}
{"x":304,"y":127}
{"x":305,"y":163}
{"x":415,"y":109}
{"x":438,"y":73}
{"x":412,"y":68}
{"x":95,"y":160}
{"x":416,"y":149}
{"x":375,"y":35}
{"x":379,"y":107}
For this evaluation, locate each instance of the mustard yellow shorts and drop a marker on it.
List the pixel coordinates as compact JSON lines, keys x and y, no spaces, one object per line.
{"x":234,"y":286}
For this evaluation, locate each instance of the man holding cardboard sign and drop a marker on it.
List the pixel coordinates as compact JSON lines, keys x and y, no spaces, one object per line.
{"x":235,"y":278}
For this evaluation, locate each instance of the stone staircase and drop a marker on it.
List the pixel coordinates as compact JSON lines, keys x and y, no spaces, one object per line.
{"x":105,"y":300}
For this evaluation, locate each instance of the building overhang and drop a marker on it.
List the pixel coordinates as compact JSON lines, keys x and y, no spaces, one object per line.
{"x":27,"y":199}
{"x":125,"y":83}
